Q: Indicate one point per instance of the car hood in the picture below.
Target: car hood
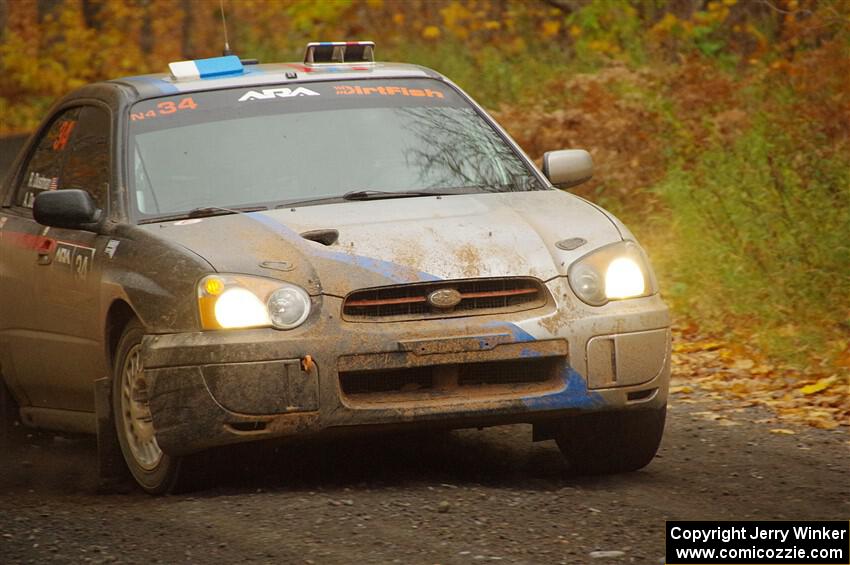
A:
(402, 240)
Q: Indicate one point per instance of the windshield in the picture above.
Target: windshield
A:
(273, 145)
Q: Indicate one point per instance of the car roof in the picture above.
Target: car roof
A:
(163, 84)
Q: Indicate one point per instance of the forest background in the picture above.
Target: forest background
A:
(720, 129)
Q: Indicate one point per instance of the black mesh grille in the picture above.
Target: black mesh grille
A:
(422, 379)
(390, 380)
(505, 372)
(479, 296)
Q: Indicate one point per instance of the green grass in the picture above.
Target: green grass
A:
(761, 241)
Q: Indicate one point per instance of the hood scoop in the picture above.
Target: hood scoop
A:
(326, 237)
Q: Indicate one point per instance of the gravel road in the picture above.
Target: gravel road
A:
(461, 497)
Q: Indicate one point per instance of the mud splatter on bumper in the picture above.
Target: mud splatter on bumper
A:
(216, 388)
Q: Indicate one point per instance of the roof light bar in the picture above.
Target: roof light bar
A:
(336, 52)
(206, 68)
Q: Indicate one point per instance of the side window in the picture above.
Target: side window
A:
(44, 169)
(87, 165)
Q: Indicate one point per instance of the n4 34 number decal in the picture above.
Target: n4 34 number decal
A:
(165, 108)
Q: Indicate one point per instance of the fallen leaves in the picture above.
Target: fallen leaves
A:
(689, 347)
(819, 386)
(709, 369)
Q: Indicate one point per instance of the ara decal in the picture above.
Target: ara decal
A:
(270, 93)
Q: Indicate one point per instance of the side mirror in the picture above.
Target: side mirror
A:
(568, 167)
(71, 208)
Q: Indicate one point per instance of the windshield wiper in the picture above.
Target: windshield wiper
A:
(204, 212)
(379, 194)
(362, 195)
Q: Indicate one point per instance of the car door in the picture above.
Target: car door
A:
(22, 240)
(67, 277)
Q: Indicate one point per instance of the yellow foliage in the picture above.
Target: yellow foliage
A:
(666, 24)
(456, 18)
(604, 46)
(518, 45)
(431, 32)
(550, 28)
(49, 47)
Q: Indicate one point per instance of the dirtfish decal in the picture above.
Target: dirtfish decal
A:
(269, 93)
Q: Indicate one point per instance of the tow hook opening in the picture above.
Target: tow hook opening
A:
(254, 427)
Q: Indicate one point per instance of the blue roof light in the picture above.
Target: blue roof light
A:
(206, 68)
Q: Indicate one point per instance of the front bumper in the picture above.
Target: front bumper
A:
(215, 388)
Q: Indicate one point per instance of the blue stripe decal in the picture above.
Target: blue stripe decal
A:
(219, 66)
(575, 394)
(392, 271)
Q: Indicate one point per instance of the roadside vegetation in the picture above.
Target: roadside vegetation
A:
(720, 128)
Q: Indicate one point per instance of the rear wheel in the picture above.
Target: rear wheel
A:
(155, 471)
(611, 442)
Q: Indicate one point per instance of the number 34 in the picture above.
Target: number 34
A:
(170, 107)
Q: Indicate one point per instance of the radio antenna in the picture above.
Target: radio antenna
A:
(227, 50)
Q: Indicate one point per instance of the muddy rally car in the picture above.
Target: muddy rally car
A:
(232, 252)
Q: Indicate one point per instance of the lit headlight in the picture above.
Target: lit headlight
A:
(624, 279)
(240, 308)
(613, 272)
(239, 301)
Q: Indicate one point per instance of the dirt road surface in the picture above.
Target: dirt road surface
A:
(460, 497)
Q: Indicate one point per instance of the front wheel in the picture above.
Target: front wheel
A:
(611, 442)
(153, 470)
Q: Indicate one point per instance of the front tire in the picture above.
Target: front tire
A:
(154, 471)
(611, 442)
